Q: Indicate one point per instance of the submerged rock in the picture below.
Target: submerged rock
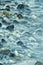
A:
(5, 20)
(8, 13)
(7, 8)
(1, 64)
(3, 40)
(1, 14)
(4, 51)
(20, 43)
(12, 55)
(10, 27)
(0, 24)
(20, 6)
(20, 16)
(38, 63)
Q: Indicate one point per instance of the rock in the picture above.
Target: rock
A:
(20, 6)
(20, 43)
(7, 8)
(1, 14)
(5, 20)
(8, 13)
(20, 16)
(0, 24)
(1, 64)
(13, 5)
(3, 40)
(12, 55)
(38, 63)
(4, 51)
(10, 27)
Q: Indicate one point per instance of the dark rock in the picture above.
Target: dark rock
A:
(3, 40)
(5, 20)
(20, 16)
(20, 6)
(38, 63)
(0, 24)
(1, 64)
(12, 55)
(20, 43)
(10, 27)
(7, 8)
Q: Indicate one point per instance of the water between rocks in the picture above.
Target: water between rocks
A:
(21, 32)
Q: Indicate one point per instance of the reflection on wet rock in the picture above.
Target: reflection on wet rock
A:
(7, 13)
(1, 63)
(1, 14)
(5, 20)
(3, 40)
(12, 54)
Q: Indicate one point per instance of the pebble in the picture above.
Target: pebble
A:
(10, 27)
(12, 55)
(38, 63)
(7, 8)
(1, 14)
(20, 16)
(4, 51)
(20, 6)
(8, 13)
(20, 43)
(5, 20)
(1, 64)
(16, 34)
(3, 40)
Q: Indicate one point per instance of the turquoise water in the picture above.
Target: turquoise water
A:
(28, 29)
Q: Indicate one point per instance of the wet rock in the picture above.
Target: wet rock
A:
(20, 6)
(3, 40)
(20, 43)
(8, 13)
(12, 55)
(10, 27)
(7, 8)
(5, 20)
(0, 24)
(16, 34)
(1, 64)
(4, 51)
(20, 16)
(38, 63)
